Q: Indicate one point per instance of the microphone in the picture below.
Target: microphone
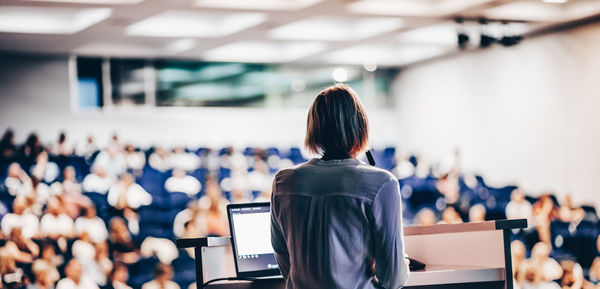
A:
(370, 157)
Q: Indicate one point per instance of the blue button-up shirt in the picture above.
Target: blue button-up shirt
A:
(331, 220)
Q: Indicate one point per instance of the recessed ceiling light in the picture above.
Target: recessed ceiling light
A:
(194, 24)
(335, 28)
(181, 45)
(540, 11)
(49, 20)
(412, 7)
(263, 51)
(257, 4)
(385, 54)
(116, 50)
(442, 34)
(105, 2)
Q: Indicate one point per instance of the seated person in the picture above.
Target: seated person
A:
(450, 216)
(45, 170)
(11, 275)
(70, 184)
(45, 275)
(448, 186)
(122, 247)
(239, 196)
(542, 215)
(62, 147)
(25, 245)
(594, 274)
(518, 207)
(540, 258)
(160, 159)
(74, 278)
(569, 213)
(477, 213)
(92, 224)
(260, 179)
(98, 181)
(112, 160)
(93, 258)
(212, 218)
(180, 182)
(20, 218)
(425, 217)
(134, 159)
(531, 277)
(56, 224)
(182, 160)
(517, 250)
(118, 277)
(572, 277)
(162, 280)
(17, 182)
(126, 194)
(404, 168)
(8, 149)
(49, 255)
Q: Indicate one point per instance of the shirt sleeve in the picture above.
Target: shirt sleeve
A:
(391, 269)
(278, 241)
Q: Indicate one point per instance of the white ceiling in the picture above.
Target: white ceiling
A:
(385, 32)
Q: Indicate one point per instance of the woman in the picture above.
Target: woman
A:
(337, 222)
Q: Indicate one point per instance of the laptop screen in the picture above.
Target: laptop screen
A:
(250, 226)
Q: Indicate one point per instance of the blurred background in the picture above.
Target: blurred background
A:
(129, 123)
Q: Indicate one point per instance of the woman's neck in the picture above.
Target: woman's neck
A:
(335, 156)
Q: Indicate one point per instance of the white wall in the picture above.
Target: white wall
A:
(35, 97)
(529, 114)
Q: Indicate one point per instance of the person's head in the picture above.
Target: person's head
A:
(118, 230)
(477, 213)
(73, 270)
(127, 179)
(42, 157)
(69, 173)
(48, 252)
(119, 273)
(99, 170)
(450, 216)
(42, 271)
(19, 205)
(89, 211)
(14, 170)
(54, 206)
(540, 251)
(163, 273)
(425, 217)
(62, 137)
(337, 123)
(178, 173)
(517, 249)
(8, 137)
(517, 195)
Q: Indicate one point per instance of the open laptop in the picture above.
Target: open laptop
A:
(250, 227)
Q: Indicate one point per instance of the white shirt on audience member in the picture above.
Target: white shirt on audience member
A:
(136, 196)
(518, 210)
(95, 227)
(84, 283)
(56, 225)
(184, 161)
(155, 285)
(29, 224)
(187, 184)
(97, 184)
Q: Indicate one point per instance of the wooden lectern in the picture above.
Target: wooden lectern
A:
(469, 255)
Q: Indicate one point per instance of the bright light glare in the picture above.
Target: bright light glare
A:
(555, 1)
(385, 54)
(49, 20)
(257, 4)
(194, 24)
(181, 45)
(340, 75)
(335, 28)
(370, 65)
(247, 51)
(109, 2)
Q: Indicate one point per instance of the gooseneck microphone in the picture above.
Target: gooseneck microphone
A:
(370, 157)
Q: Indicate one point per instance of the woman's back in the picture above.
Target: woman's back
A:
(332, 220)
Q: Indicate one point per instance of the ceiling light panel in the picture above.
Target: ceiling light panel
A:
(104, 2)
(257, 4)
(49, 20)
(194, 24)
(544, 12)
(426, 8)
(247, 51)
(335, 28)
(385, 55)
(113, 49)
(440, 34)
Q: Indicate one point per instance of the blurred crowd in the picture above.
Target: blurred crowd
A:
(107, 217)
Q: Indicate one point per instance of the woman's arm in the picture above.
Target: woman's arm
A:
(390, 268)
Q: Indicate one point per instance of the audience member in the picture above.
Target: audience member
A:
(182, 160)
(425, 217)
(62, 147)
(45, 275)
(135, 160)
(118, 277)
(572, 277)
(180, 182)
(89, 148)
(12, 276)
(517, 253)
(56, 224)
(90, 223)
(24, 245)
(164, 274)
(8, 149)
(98, 181)
(160, 159)
(477, 213)
(540, 258)
(450, 216)
(74, 278)
(20, 218)
(122, 247)
(518, 207)
(18, 183)
(70, 184)
(112, 161)
(569, 213)
(31, 148)
(543, 214)
(44, 169)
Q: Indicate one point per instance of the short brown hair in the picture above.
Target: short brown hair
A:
(337, 124)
